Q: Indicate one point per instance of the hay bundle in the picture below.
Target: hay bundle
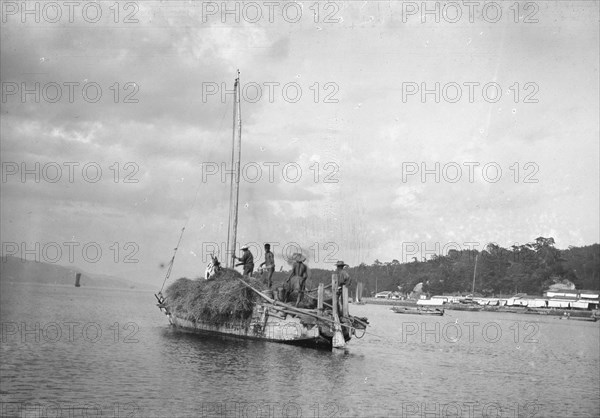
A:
(220, 300)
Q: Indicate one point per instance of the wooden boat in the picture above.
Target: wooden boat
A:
(536, 311)
(463, 307)
(506, 309)
(328, 326)
(276, 321)
(417, 311)
(580, 318)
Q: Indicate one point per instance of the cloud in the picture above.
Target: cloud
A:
(352, 132)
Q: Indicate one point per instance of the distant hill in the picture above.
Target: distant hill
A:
(14, 269)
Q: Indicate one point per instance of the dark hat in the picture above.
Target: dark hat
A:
(341, 263)
(245, 247)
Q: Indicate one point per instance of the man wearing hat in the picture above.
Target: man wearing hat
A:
(247, 260)
(343, 279)
(343, 276)
(298, 269)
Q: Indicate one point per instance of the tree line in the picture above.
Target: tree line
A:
(529, 268)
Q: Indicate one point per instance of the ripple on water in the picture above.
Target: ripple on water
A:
(162, 372)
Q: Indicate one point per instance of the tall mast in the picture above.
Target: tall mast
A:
(236, 155)
(474, 275)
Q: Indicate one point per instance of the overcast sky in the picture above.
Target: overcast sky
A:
(336, 131)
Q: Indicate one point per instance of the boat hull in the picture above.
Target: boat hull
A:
(409, 311)
(266, 324)
(461, 307)
(578, 318)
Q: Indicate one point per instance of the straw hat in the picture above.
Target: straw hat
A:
(298, 257)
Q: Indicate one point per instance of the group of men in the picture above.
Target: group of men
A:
(247, 261)
(298, 269)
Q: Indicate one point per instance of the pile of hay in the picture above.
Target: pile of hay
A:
(219, 300)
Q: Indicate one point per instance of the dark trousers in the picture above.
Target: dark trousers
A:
(248, 269)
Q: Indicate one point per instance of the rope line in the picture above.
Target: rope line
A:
(172, 259)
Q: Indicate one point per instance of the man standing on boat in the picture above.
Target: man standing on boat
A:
(343, 276)
(299, 268)
(300, 274)
(343, 280)
(247, 260)
(269, 264)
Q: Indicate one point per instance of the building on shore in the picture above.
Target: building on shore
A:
(563, 299)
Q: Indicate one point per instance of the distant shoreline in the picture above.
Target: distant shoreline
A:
(19, 282)
(580, 313)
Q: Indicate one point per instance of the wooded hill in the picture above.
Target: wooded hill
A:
(528, 268)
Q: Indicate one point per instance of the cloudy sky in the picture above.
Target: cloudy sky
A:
(370, 130)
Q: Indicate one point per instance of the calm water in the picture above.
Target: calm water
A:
(70, 351)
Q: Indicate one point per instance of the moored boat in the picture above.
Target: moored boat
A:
(580, 318)
(567, 315)
(463, 307)
(417, 311)
(536, 311)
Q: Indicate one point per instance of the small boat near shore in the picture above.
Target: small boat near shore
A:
(535, 311)
(462, 307)
(592, 318)
(577, 318)
(417, 311)
(559, 313)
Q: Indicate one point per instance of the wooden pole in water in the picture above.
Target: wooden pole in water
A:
(345, 310)
(338, 338)
(320, 293)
